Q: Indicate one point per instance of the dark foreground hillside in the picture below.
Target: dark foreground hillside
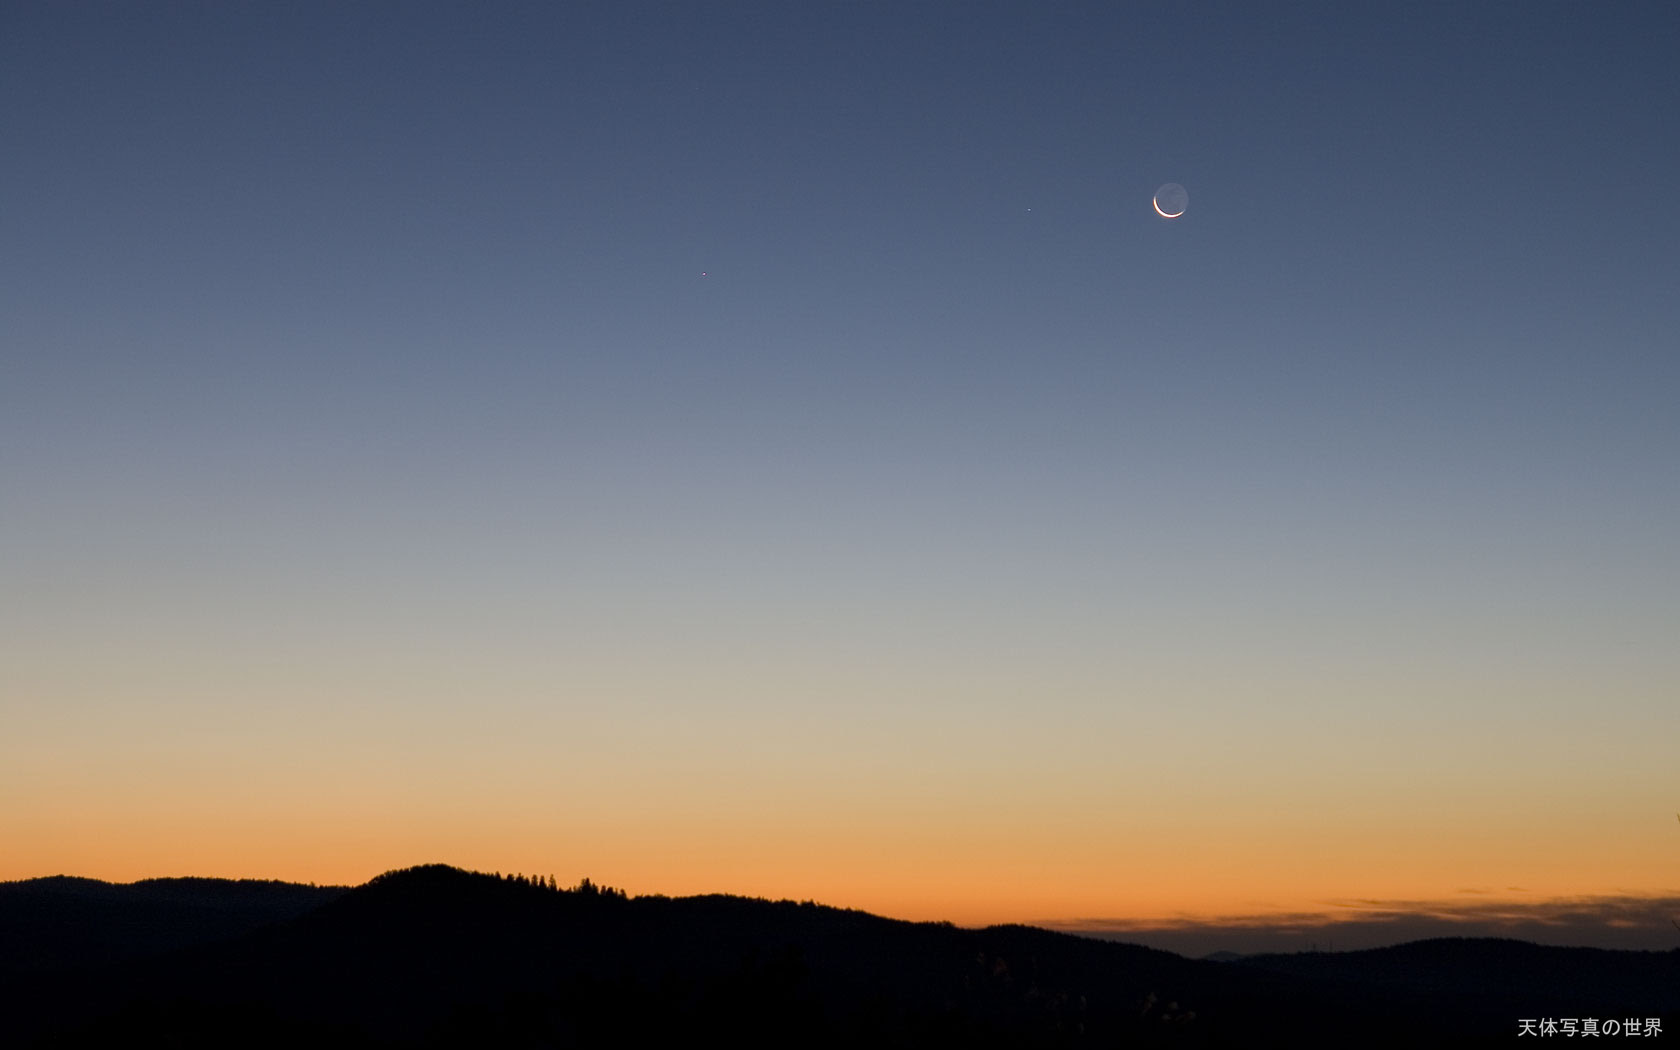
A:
(437, 957)
(60, 923)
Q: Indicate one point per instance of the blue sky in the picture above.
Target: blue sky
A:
(787, 379)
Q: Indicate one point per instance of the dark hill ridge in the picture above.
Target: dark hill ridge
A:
(62, 922)
(436, 956)
(1548, 977)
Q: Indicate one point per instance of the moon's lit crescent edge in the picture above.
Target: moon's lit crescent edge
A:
(1153, 203)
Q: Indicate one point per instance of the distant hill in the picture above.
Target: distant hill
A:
(58, 922)
(439, 957)
(1523, 979)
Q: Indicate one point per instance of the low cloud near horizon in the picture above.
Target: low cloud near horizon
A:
(1634, 923)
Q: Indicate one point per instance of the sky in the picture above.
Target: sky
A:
(779, 449)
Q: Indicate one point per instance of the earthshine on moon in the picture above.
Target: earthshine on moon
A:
(1171, 201)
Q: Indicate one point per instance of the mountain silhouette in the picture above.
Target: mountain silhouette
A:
(439, 957)
(59, 922)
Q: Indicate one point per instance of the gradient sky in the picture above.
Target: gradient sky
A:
(777, 449)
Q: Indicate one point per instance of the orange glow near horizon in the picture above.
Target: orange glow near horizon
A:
(1081, 787)
(971, 875)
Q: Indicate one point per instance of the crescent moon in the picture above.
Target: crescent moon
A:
(1163, 214)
